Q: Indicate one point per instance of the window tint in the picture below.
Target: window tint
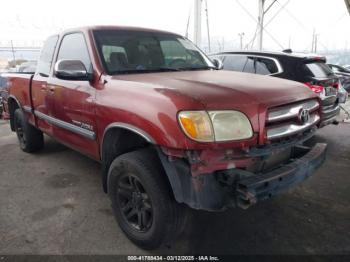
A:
(178, 49)
(108, 50)
(235, 62)
(133, 51)
(73, 47)
(265, 66)
(173, 48)
(319, 70)
(249, 65)
(46, 56)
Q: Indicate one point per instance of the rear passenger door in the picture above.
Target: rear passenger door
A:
(42, 102)
(74, 111)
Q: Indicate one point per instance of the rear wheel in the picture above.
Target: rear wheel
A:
(142, 201)
(30, 138)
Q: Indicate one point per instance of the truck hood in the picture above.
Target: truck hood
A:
(224, 89)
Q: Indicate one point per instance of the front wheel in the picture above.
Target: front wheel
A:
(30, 138)
(142, 201)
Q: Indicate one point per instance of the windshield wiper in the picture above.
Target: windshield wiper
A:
(185, 68)
(128, 71)
(196, 68)
(149, 70)
(165, 69)
(161, 69)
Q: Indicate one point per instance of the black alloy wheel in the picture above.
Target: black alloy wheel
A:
(135, 203)
(142, 199)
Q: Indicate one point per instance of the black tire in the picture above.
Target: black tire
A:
(163, 217)
(30, 138)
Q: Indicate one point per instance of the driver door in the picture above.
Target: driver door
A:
(74, 108)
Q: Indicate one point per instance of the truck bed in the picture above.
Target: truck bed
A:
(18, 85)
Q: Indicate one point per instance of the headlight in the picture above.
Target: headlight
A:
(225, 125)
(197, 125)
(230, 125)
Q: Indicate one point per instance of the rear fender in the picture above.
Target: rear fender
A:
(13, 104)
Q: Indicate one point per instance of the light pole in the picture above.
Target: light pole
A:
(314, 42)
(347, 3)
(261, 23)
(207, 15)
(241, 35)
(13, 53)
(197, 22)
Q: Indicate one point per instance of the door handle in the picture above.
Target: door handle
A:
(52, 89)
(43, 87)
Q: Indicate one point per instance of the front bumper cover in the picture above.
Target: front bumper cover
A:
(237, 187)
(256, 188)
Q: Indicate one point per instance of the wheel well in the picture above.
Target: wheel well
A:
(12, 106)
(118, 141)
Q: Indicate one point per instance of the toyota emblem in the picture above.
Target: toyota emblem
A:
(303, 116)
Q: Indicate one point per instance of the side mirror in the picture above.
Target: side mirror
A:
(218, 63)
(71, 70)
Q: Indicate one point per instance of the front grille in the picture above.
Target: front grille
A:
(289, 120)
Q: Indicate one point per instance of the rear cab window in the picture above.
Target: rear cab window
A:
(46, 56)
(73, 47)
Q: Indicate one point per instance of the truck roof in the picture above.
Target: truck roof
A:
(115, 27)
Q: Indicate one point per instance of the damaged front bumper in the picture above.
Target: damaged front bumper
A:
(239, 187)
(260, 187)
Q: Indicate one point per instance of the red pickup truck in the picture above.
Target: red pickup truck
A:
(169, 129)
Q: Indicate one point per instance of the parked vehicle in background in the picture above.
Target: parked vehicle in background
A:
(1, 107)
(27, 67)
(308, 69)
(343, 74)
(3, 85)
(346, 67)
(168, 128)
(3, 81)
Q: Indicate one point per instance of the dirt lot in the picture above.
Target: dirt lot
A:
(52, 203)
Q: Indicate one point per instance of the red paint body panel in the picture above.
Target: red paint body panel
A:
(158, 97)
(151, 101)
(18, 86)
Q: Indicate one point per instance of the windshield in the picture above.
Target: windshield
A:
(138, 52)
